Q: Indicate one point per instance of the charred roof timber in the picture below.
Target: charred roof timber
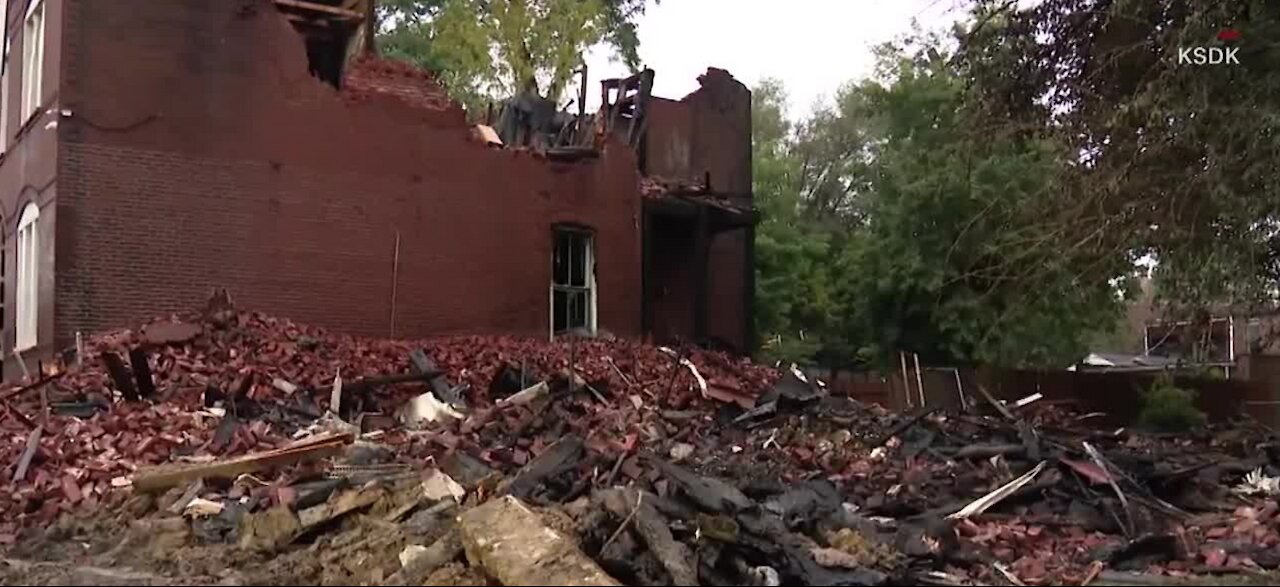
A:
(332, 30)
(626, 104)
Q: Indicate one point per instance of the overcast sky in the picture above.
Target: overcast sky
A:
(811, 45)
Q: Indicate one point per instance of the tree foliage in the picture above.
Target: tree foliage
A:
(1180, 162)
(942, 230)
(988, 197)
(794, 302)
(488, 48)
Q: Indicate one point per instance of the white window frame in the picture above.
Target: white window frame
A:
(4, 76)
(27, 307)
(33, 29)
(589, 279)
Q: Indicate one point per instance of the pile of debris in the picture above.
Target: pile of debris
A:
(225, 383)
(246, 448)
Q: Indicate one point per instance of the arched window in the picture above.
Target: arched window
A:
(28, 285)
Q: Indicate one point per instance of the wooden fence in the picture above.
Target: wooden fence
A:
(1116, 394)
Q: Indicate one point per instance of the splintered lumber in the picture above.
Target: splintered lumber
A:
(142, 372)
(343, 504)
(423, 364)
(995, 403)
(558, 458)
(512, 544)
(985, 502)
(30, 386)
(318, 7)
(120, 376)
(24, 463)
(163, 477)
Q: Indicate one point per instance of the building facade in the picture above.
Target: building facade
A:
(154, 151)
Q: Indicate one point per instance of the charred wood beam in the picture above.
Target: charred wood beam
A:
(120, 376)
(142, 372)
(702, 254)
(317, 7)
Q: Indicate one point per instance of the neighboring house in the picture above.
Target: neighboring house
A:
(155, 150)
(1221, 339)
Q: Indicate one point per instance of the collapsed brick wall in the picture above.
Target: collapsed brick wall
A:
(705, 136)
(371, 76)
(214, 159)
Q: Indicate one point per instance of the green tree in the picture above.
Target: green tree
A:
(490, 48)
(794, 300)
(1180, 162)
(964, 248)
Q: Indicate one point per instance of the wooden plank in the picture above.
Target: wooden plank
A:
(156, 479)
(996, 404)
(19, 416)
(25, 388)
(24, 463)
(120, 376)
(320, 8)
(142, 372)
(558, 458)
(421, 363)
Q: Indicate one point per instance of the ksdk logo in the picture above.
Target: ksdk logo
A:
(1212, 55)
(1209, 56)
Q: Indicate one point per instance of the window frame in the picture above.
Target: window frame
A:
(27, 280)
(587, 267)
(5, 101)
(33, 46)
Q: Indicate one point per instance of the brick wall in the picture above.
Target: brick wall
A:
(726, 310)
(28, 174)
(214, 159)
(707, 135)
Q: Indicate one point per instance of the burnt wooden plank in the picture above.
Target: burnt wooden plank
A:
(440, 386)
(120, 376)
(24, 463)
(558, 458)
(142, 372)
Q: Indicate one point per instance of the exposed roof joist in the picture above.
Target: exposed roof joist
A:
(347, 11)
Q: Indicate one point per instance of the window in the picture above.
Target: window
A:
(1253, 337)
(573, 281)
(32, 58)
(4, 76)
(28, 285)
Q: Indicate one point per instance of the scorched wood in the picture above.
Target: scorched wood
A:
(120, 376)
(142, 372)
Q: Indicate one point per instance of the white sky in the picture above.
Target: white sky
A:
(813, 46)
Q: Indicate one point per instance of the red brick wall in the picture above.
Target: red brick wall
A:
(28, 174)
(369, 76)
(705, 135)
(668, 139)
(202, 154)
(726, 309)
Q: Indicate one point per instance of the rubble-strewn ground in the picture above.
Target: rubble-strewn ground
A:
(758, 478)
